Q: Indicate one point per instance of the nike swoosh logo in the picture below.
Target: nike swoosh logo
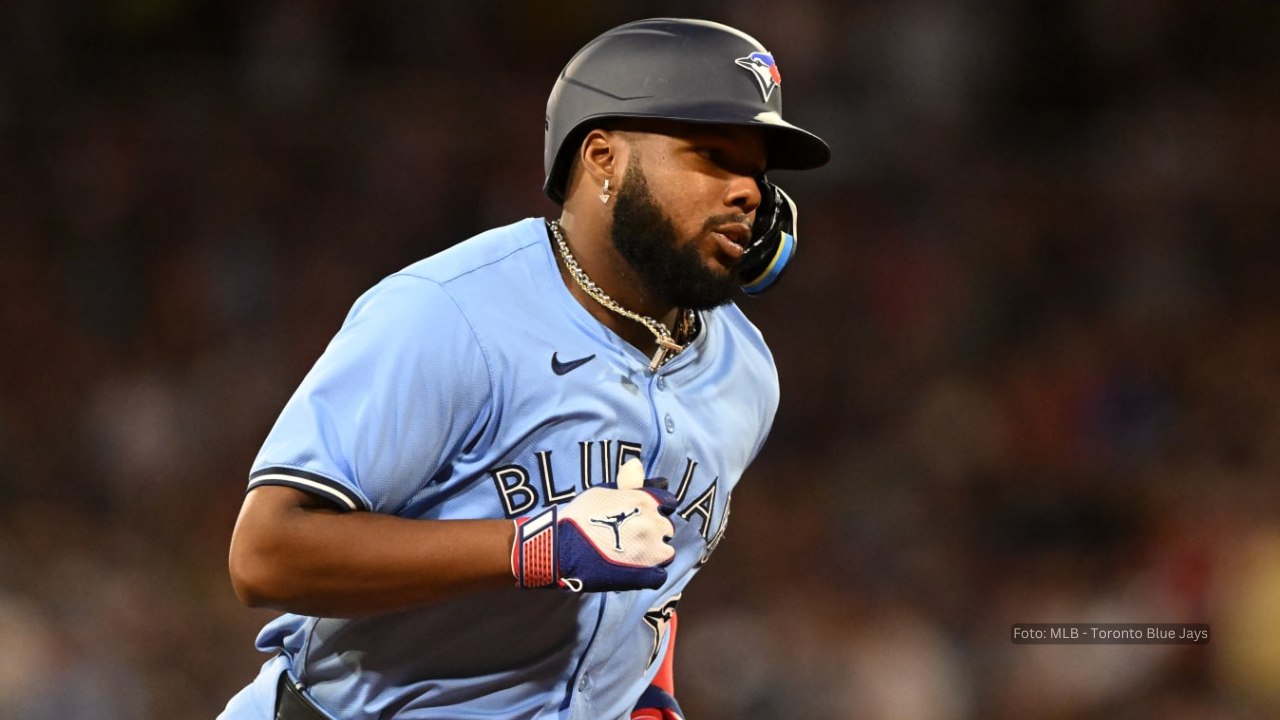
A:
(560, 368)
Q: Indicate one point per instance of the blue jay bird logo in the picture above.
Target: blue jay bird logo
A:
(764, 70)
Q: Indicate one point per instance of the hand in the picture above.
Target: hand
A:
(657, 704)
(614, 536)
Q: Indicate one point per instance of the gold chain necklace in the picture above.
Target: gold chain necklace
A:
(667, 345)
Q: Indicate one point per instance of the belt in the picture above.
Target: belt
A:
(291, 704)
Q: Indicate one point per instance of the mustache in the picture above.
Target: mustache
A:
(716, 221)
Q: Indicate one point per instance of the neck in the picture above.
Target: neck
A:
(610, 291)
(592, 247)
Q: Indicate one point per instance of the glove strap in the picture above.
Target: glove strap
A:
(533, 555)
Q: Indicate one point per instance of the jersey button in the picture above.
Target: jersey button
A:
(662, 383)
(671, 424)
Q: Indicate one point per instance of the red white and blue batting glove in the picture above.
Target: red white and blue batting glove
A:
(614, 536)
(657, 704)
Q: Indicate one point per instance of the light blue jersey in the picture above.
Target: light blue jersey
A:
(473, 385)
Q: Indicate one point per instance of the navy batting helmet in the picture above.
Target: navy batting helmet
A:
(687, 70)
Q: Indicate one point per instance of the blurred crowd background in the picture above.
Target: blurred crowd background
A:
(1030, 350)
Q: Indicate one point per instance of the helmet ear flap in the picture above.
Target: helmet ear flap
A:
(773, 240)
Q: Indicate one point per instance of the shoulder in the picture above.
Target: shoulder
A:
(755, 358)
(478, 270)
(503, 250)
(737, 331)
(732, 355)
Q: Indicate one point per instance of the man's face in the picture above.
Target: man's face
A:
(684, 210)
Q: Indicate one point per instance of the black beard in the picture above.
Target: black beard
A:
(647, 240)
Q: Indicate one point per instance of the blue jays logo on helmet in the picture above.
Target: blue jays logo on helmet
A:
(765, 71)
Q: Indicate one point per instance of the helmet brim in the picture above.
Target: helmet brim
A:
(793, 148)
(789, 147)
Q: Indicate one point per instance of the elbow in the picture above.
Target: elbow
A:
(252, 575)
(245, 580)
(259, 561)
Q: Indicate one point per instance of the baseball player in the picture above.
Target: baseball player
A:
(487, 496)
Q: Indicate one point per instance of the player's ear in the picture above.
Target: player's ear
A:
(599, 155)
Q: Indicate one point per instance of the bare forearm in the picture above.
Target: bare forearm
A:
(316, 562)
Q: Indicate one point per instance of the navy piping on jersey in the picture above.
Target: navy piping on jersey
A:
(318, 485)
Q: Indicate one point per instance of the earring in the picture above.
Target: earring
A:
(604, 193)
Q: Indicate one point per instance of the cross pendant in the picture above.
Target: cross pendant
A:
(659, 357)
(665, 348)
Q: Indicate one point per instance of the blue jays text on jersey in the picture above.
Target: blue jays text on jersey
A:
(474, 385)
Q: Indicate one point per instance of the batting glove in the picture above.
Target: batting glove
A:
(657, 704)
(614, 536)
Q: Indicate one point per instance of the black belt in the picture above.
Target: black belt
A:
(291, 704)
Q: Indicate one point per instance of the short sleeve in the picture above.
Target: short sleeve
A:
(390, 403)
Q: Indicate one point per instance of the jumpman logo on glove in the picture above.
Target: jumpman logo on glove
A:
(567, 546)
(615, 522)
